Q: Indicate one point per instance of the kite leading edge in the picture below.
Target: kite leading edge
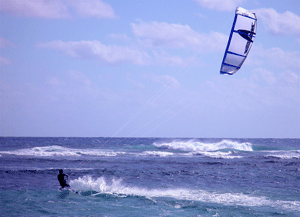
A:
(240, 40)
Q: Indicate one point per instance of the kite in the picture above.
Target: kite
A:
(240, 40)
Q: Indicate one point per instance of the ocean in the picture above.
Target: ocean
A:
(150, 177)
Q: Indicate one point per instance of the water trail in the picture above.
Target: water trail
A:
(116, 187)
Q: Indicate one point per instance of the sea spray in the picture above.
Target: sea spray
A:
(100, 185)
(116, 187)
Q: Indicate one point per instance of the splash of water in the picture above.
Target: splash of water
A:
(116, 187)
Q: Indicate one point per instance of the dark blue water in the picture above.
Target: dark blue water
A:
(150, 177)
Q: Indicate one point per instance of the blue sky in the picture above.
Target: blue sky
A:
(146, 68)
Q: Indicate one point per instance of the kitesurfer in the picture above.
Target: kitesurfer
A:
(62, 178)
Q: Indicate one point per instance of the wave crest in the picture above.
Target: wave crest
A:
(196, 146)
(284, 154)
(55, 150)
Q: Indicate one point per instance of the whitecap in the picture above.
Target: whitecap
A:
(221, 155)
(196, 146)
(156, 153)
(55, 150)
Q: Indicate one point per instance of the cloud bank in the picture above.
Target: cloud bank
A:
(286, 23)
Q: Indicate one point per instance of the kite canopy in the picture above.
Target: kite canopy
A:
(240, 40)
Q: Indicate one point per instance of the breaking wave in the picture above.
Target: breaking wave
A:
(55, 150)
(225, 149)
(196, 146)
(117, 188)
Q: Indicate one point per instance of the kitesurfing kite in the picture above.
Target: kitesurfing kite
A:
(240, 40)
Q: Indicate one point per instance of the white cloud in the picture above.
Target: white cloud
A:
(276, 56)
(166, 35)
(92, 8)
(95, 50)
(57, 9)
(289, 77)
(36, 8)
(266, 75)
(286, 23)
(219, 5)
(148, 47)
(163, 58)
(112, 54)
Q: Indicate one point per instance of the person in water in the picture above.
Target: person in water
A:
(62, 178)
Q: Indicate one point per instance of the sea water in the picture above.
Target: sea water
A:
(150, 177)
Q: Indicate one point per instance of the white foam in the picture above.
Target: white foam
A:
(55, 150)
(284, 154)
(196, 146)
(221, 155)
(115, 186)
(156, 153)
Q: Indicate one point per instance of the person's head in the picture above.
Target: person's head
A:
(60, 171)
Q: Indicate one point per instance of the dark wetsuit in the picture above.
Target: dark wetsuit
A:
(62, 180)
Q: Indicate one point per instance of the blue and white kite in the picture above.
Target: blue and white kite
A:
(241, 37)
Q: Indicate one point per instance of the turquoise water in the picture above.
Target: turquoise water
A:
(150, 177)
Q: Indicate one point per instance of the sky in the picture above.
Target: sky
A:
(146, 68)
